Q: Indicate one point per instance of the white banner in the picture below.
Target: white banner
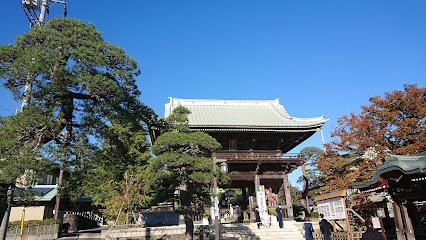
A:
(332, 208)
(216, 207)
(261, 200)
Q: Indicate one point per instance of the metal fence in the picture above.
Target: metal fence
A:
(91, 215)
(36, 232)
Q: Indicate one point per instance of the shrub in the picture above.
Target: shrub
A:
(314, 215)
(272, 211)
(46, 221)
(206, 213)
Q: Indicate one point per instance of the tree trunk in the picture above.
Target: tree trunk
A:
(305, 197)
(58, 195)
(61, 173)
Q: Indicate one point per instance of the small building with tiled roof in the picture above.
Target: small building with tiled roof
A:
(404, 179)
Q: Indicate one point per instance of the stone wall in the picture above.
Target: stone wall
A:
(167, 232)
(153, 219)
(73, 223)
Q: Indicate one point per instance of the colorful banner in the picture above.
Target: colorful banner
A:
(261, 200)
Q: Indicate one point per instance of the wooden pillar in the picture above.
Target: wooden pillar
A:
(251, 200)
(348, 226)
(256, 181)
(334, 225)
(252, 205)
(407, 223)
(288, 202)
(244, 202)
(399, 227)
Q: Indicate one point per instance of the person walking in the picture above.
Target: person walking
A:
(279, 210)
(371, 233)
(239, 214)
(256, 212)
(325, 227)
(309, 229)
(267, 219)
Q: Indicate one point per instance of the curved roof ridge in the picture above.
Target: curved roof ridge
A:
(279, 108)
(214, 100)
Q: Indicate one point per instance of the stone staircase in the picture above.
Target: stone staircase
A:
(234, 231)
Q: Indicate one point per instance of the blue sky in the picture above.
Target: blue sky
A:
(318, 57)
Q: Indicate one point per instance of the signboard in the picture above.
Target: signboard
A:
(376, 222)
(332, 208)
(261, 200)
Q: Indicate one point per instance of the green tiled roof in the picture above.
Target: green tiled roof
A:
(406, 164)
(49, 196)
(42, 193)
(241, 114)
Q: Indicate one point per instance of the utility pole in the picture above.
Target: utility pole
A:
(36, 19)
(30, 8)
(3, 227)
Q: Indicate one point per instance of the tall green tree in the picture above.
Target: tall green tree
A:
(393, 123)
(83, 89)
(183, 162)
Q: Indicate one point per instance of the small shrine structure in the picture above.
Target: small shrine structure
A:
(404, 179)
(256, 136)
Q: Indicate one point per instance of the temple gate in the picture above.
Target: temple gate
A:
(256, 137)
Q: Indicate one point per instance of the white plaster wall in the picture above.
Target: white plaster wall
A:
(31, 213)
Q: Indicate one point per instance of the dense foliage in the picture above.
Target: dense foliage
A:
(16, 154)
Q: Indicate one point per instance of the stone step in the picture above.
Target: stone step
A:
(250, 231)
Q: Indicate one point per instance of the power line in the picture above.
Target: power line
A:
(6, 109)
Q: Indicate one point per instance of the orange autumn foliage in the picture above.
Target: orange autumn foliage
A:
(394, 123)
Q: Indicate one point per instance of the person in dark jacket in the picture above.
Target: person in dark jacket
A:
(256, 212)
(239, 214)
(325, 227)
(280, 215)
(371, 234)
(307, 226)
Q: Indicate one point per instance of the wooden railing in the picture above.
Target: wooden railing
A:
(255, 155)
(339, 236)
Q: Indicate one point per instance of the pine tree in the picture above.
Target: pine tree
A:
(84, 94)
(183, 162)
